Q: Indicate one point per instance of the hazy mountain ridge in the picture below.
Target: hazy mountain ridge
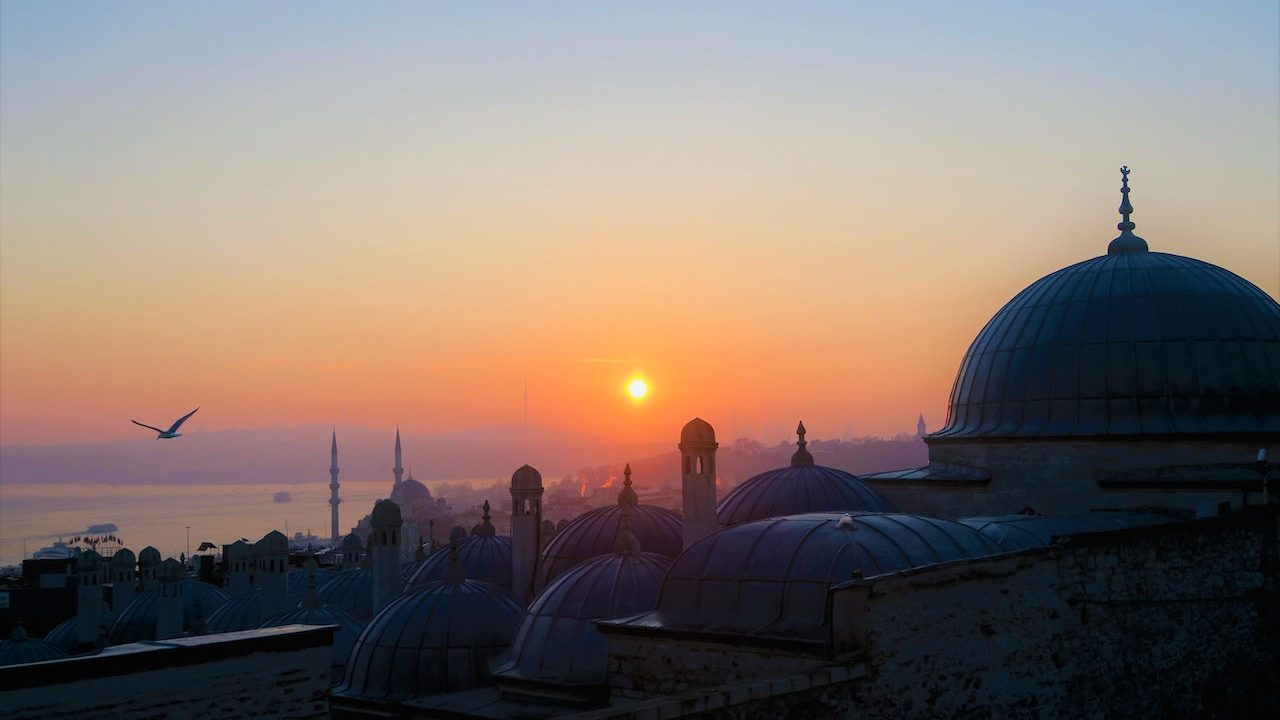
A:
(275, 455)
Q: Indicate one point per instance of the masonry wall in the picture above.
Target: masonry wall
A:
(1058, 476)
(1174, 621)
(256, 674)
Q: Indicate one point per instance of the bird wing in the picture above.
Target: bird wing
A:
(135, 422)
(178, 423)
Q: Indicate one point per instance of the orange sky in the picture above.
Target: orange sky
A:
(366, 220)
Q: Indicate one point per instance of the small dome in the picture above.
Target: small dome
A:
(170, 571)
(241, 612)
(352, 544)
(297, 582)
(66, 634)
(273, 543)
(772, 577)
(415, 493)
(149, 556)
(801, 487)
(592, 533)
(350, 590)
(124, 559)
(137, 621)
(386, 514)
(698, 432)
(526, 478)
(344, 639)
(486, 558)
(88, 561)
(558, 641)
(435, 639)
(20, 649)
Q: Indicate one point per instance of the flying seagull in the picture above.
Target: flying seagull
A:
(172, 432)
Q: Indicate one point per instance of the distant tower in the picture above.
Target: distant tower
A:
(385, 539)
(920, 426)
(333, 490)
(88, 598)
(698, 479)
(123, 583)
(169, 605)
(399, 468)
(272, 556)
(526, 530)
(148, 566)
(235, 561)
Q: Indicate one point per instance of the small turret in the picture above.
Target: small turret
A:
(526, 530)
(124, 583)
(148, 566)
(271, 575)
(385, 538)
(169, 578)
(88, 598)
(698, 479)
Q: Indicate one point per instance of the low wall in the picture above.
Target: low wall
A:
(278, 673)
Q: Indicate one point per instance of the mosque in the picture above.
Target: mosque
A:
(1094, 535)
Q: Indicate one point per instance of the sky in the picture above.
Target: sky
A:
(291, 213)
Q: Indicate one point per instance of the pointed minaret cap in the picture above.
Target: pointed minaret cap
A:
(627, 496)
(801, 458)
(625, 542)
(486, 525)
(454, 574)
(1126, 242)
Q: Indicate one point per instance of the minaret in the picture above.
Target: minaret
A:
(88, 598)
(526, 530)
(333, 490)
(399, 468)
(169, 605)
(385, 539)
(920, 426)
(123, 583)
(698, 479)
(1126, 241)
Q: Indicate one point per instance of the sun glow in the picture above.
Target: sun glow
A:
(638, 388)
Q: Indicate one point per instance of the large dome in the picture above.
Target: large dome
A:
(592, 534)
(351, 590)
(439, 638)
(558, 641)
(484, 557)
(1130, 343)
(137, 621)
(771, 577)
(801, 487)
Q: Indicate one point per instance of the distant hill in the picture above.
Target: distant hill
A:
(301, 454)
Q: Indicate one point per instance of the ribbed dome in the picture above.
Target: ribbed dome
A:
(558, 641)
(351, 590)
(137, 622)
(20, 649)
(435, 639)
(801, 487)
(697, 432)
(1130, 343)
(241, 612)
(771, 577)
(66, 633)
(297, 583)
(486, 558)
(591, 534)
(349, 628)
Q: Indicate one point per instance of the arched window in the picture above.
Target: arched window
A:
(697, 465)
(687, 469)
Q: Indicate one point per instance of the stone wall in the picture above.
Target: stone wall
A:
(1061, 476)
(1173, 621)
(278, 673)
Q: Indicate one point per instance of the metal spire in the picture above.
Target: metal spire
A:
(801, 458)
(627, 496)
(1126, 242)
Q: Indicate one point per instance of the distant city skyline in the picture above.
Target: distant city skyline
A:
(369, 216)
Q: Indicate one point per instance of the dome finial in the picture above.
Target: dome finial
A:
(625, 542)
(1126, 241)
(627, 496)
(801, 458)
(454, 574)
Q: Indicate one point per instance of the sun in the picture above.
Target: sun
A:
(638, 388)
